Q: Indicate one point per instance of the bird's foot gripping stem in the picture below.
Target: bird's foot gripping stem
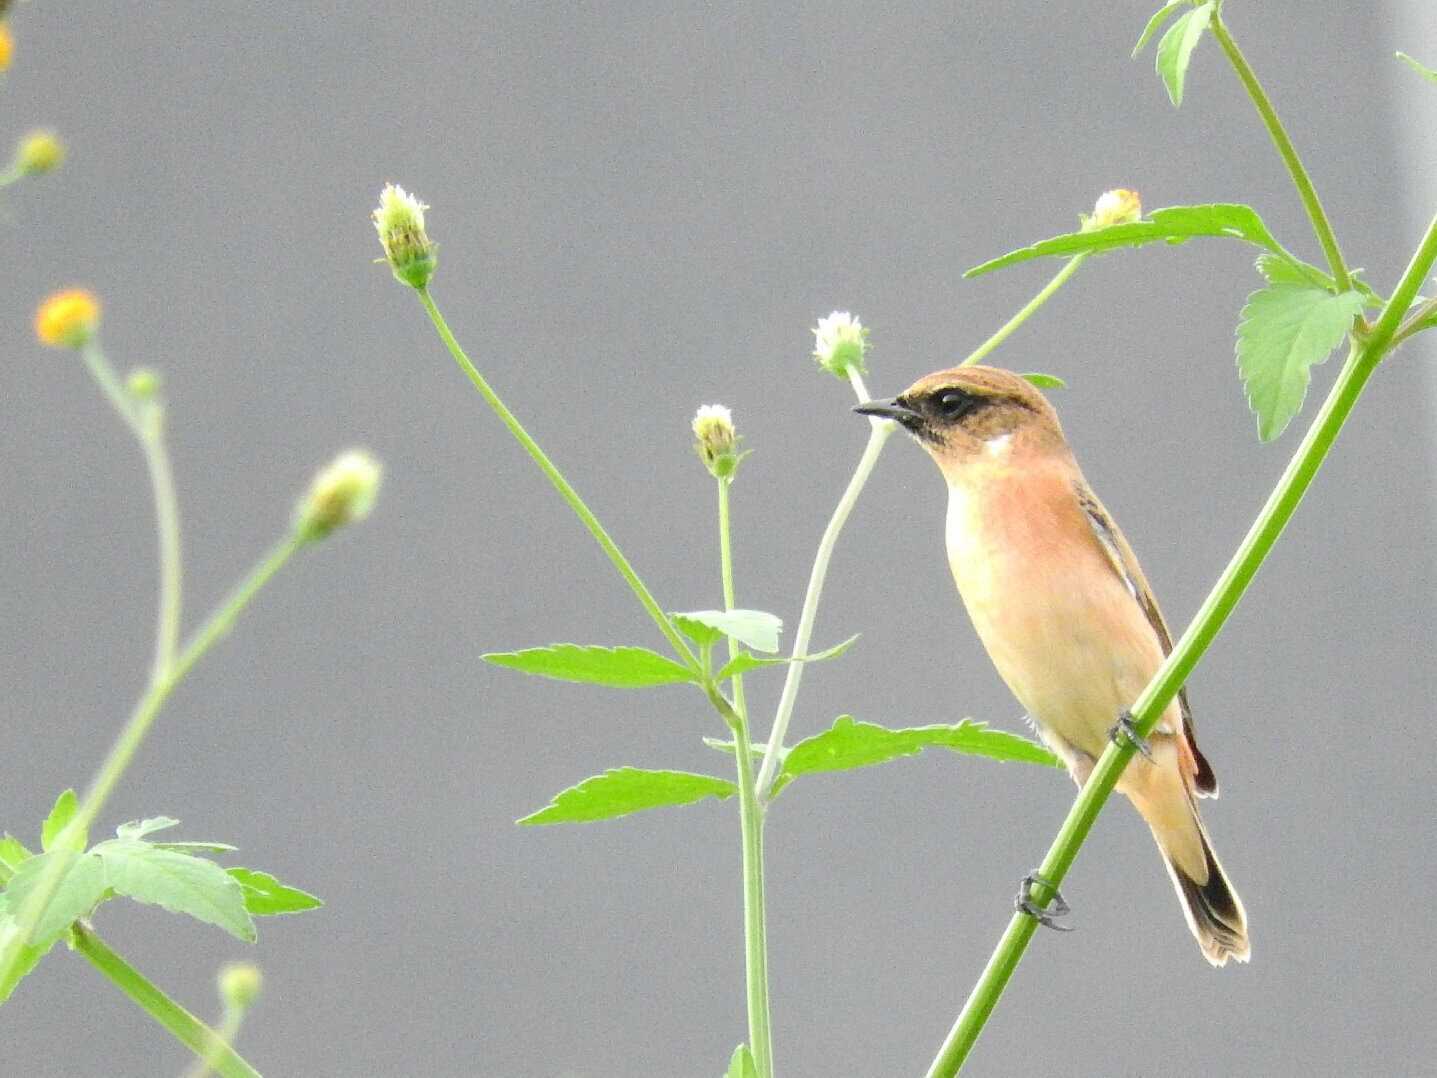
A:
(1024, 903)
(1124, 730)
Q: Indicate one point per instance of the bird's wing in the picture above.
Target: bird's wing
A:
(1125, 564)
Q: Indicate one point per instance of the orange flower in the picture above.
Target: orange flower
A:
(67, 319)
(7, 45)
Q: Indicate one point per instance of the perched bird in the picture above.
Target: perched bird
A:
(1067, 617)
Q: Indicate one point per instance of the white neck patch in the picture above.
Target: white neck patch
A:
(998, 447)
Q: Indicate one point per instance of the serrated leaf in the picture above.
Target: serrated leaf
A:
(176, 882)
(66, 805)
(81, 884)
(1175, 50)
(138, 829)
(1045, 381)
(12, 855)
(700, 633)
(755, 628)
(1156, 23)
(623, 790)
(849, 744)
(265, 896)
(1289, 270)
(1421, 69)
(1171, 224)
(619, 668)
(743, 662)
(27, 958)
(1285, 330)
(741, 1064)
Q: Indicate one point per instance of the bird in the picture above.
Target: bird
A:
(1063, 609)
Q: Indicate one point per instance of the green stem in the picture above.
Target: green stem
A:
(186, 1028)
(228, 1030)
(1320, 225)
(129, 741)
(676, 641)
(1178, 666)
(1006, 329)
(148, 428)
(755, 930)
(11, 174)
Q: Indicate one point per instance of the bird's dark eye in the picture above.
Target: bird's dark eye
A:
(954, 404)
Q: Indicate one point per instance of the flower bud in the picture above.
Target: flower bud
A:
(67, 319)
(39, 152)
(717, 444)
(1117, 207)
(342, 492)
(400, 223)
(239, 984)
(142, 384)
(7, 45)
(841, 343)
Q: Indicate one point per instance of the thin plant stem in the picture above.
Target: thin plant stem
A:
(1006, 329)
(228, 1030)
(186, 1028)
(147, 424)
(12, 173)
(1321, 227)
(130, 739)
(755, 930)
(1362, 360)
(567, 492)
(879, 431)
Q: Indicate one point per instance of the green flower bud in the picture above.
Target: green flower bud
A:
(399, 220)
(342, 492)
(841, 344)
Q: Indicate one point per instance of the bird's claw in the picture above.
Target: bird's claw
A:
(1124, 730)
(1024, 903)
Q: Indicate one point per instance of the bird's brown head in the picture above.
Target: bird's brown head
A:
(966, 413)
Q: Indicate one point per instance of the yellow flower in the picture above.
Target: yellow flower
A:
(7, 45)
(67, 319)
(39, 151)
(1117, 207)
(342, 492)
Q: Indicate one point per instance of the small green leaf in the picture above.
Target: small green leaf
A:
(741, 1065)
(757, 629)
(743, 662)
(727, 746)
(82, 884)
(138, 829)
(620, 668)
(701, 634)
(1045, 381)
(1156, 23)
(1421, 69)
(1285, 330)
(177, 882)
(1288, 270)
(1175, 50)
(28, 957)
(12, 855)
(66, 805)
(849, 744)
(620, 791)
(1172, 224)
(265, 896)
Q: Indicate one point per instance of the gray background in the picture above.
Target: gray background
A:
(642, 209)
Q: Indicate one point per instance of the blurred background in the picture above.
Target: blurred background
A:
(640, 209)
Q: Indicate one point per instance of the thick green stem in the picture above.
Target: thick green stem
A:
(1175, 670)
(187, 1029)
(1006, 329)
(567, 492)
(755, 929)
(130, 739)
(1320, 225)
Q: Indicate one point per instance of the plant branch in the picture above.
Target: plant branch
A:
(186, 1028)
(1320, 225)
(1006, 329)
(567, 492)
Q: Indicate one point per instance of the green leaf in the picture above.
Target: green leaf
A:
(1175, 50)
(138, 829)
(66, 805)
(1045, 381)
(195, 847)
(701, 634)
(849, 744)
(82, 884)
(757, 629)
(1285, 329)
(12, 855)
(743, 662)
(265, 896)
(620, 668)
(1421, 69)
(177, 882)
(29, 957)
(1288, 270)
(741, 1065)
(620, 791)
(1172, 224)
(1156, 23)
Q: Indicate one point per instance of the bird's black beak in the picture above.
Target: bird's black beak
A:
(892, 408)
